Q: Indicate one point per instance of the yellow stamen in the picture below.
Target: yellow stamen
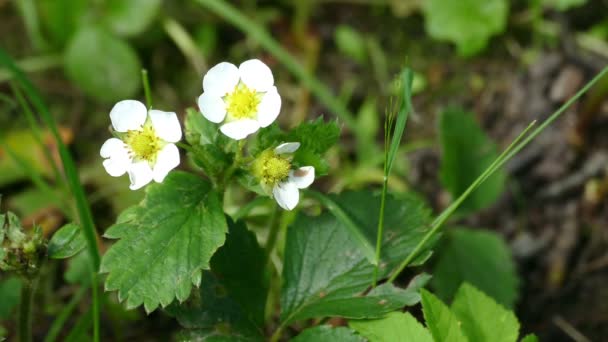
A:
(242, 103)
(144, 144)
(270, 168)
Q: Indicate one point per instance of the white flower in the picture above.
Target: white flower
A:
(145, 146)
(274, 171)
(243, 99)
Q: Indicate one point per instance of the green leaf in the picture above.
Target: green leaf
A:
(207, 143)
(79, 269)
(467, 23)
(129, 18)
(482, 319)
(103, 66)
(61, 18)
(10, 292)
(232, 299)
(317, 136)
(67, 242)
(467, 152)
(442, 323)
(530, 338)
(480, 258)
(563, 5)
(405, 106)
(350, 43)
(325, 268)
(165, 242)
(395, 327)
(326, 333)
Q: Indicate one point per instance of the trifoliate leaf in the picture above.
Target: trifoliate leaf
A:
(473, 308)
(128, 18)
(395, 327)
(467, 23)
(324, 265)
(103, 66)
(480, 258)
(326, 333)
(165, 242)
(466, 153)
(67, 242)
(442, 323)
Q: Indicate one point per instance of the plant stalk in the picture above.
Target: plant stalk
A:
(25, 309)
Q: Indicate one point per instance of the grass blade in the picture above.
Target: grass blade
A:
(390, 152)
(517, 145)
(84, 212)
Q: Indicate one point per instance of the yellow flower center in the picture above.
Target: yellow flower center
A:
(144, 144)
(242, 103)
(270, 168)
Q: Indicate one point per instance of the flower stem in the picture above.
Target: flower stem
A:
(146, 83)
(25, 310)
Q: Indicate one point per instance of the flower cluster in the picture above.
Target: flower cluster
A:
(242, 100)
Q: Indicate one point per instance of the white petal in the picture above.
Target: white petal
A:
(128, 115)
(167, 160)
(166, 125)
(286, 194)
(118, 157)
(270, 107)
(256, 75)
(212, 106)
(221, 79)
(288, 147)
(240, 129)
(140, 174)
(302, 177)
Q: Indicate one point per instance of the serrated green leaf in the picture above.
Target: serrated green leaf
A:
(10, 292)
(395, 327)
(103, 66)
(324, 264)
(165, 242)
(266, 138)
(67, 242)
(474, 308)
(326, 333)
(317, 136)
(232, 299)
(466, 153)
(467, 23)
(129, 18)
(480, 258)
(442, 323)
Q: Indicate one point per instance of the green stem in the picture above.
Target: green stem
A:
(25, 310)
(185, 146)
(380, 230)
(277, 333)
(260, 35)
(275, 225)
(146, 83)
